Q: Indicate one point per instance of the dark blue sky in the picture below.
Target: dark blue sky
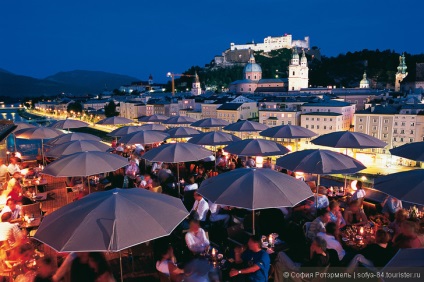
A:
(137, 37)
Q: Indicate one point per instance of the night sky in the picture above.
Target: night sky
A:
(139, 37)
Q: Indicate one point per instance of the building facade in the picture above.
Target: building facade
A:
(276, 117)
(271, 43)
(232, 112)
(346, 110)
(298, 72)
(323, 122)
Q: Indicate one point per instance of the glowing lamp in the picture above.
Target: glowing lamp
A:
(353, 185)
(259, 161)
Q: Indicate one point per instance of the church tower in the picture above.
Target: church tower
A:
(195, 87)
(364, 83)
(298, 73)
(252, 71)
(150, 79)
(401, 72)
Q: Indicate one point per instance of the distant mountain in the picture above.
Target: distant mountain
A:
(75, 82)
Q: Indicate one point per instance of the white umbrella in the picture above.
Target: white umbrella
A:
(73, 137)
(38, 133)
(119, 132)
(246, 125)
(73, 147)
(179, 120)
(153, 126)
(182, 132)
(153, 118)
(111, 221)
(144, 137)
(85, 164)
(210, 122)
(115, 121)
(255, 189)
(256, 147)
(68, 123)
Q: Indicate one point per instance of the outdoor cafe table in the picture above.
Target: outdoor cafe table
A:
(357, 237)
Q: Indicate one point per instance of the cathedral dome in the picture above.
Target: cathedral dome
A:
(252, 67)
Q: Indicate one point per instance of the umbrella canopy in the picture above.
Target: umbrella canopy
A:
(413, 151)
(153, 118)
(407, 186)
(256, 147)
(85, 164)
(405, 260)
(179, 120)
(119, 132)
(182, 132)
(320, 162)
(73, 147)
(347, 139)
(38, 133)
(23, 125)
(154, 126)
(114, 121)
(288, 132)
(68, 123)
(214, 138)
(246, 125)
(210, 122)
(144, 137)
(73, 137)
(112, 220)
(255, 189)
(177, 153)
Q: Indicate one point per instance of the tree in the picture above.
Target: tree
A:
(110, 110)
(75, 107)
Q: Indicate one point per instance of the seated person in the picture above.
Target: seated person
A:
(407, 238)
(132, 170)
(390, 206)
(16, 179)
(164, 173)
(217, 216)
(13, 208)
(381, 252)
(318, 225)
(10, 232)
(322, 203)
(166, 265)
(13, 166)
(354, 215)
(196, 238)
(335, 214)
(147, 182)
(16, 193)
(3, 170)
(400, 216)
(191, 185)
(330, 236)
(45, 270)
(256, 260)
(250, 162)
(318, 258)
(200, 207)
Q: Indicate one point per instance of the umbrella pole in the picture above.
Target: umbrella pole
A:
(42, 152)
(89, 188)
(345, 177)
(316, 193)
(253, 222)
(120, 266)
(178, 178)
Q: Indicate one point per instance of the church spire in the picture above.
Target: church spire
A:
(402, 65)
(196, 78)
(252, 58)
(295, 57)
(303, 60)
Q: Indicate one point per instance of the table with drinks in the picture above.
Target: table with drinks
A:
(358, 237)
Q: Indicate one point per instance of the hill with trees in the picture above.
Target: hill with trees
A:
(344, 70)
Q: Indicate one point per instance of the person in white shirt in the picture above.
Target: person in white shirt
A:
(10, 232)
(200, 207)
(216, 216)
(166, 264)
(330, 237)
(191, 185)
(3, 169)
(196, 238)
(13, 166)
(156, 166)
(13, 208)
(359, 194)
